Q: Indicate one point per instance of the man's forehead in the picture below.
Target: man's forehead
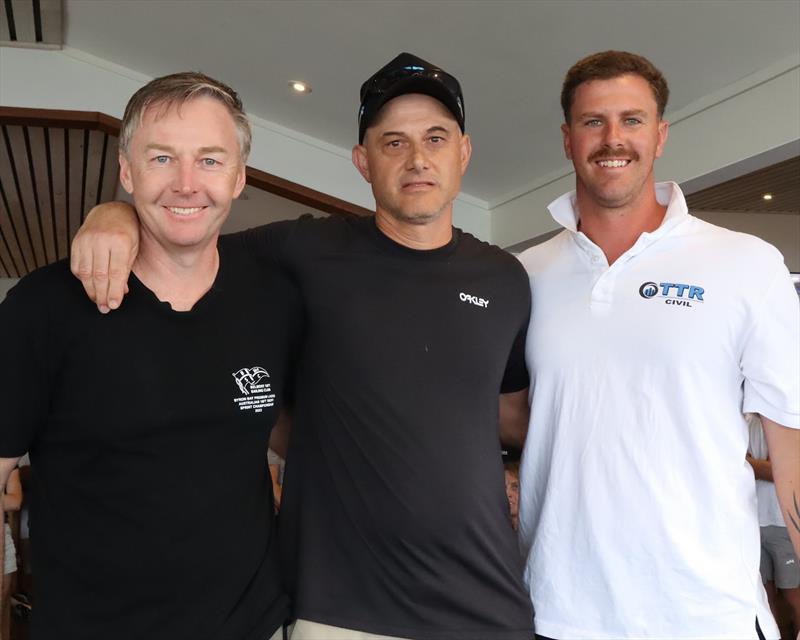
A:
(157, 122)
(628, 84)
(160, 109)
(413, 109)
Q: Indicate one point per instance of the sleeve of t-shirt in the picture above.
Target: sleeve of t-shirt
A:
(771, 356)
(516, 374)
(24, 395)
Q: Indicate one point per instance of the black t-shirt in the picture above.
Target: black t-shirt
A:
(394, 518)
(148, 431)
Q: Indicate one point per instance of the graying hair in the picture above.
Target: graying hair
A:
(177, 88)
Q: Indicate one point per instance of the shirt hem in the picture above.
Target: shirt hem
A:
(416, 633)
(561, 632)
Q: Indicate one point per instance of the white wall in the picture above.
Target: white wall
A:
(748, 118)
(71, 79)
(780, 230)
(5, 285)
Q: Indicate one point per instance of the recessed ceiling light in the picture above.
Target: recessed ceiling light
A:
(767, 196)
(299, 86)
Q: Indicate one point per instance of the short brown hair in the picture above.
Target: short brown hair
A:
(512, 466)
(177, 88)
(612, 64)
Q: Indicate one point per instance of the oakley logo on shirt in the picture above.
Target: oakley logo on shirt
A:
(478, 302)
(673, 293)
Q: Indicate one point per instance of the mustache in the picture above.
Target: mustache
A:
(613, 154)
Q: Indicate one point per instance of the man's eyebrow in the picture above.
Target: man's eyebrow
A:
(213, 149)
(603, 114)
(164, 147)
(159, 147)
(433, 129)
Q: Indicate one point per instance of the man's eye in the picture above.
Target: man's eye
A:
(594, 122)
(632, 121)
(209, 162)
(437, 139)
(393, 144)
(161, 159)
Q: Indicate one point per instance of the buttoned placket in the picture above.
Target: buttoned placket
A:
(604, 275)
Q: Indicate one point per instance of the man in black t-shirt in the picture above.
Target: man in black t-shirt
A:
(148, 429)
(394, 520)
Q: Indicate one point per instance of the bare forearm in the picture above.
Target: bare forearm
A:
(761, 468)
(784, 448)
(513, 418)
(12, 502)
(12, 496)
(279, 437)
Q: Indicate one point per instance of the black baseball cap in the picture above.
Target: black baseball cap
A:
(408, 74)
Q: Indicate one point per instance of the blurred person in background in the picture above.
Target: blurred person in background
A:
(12, 501)
(512, 491)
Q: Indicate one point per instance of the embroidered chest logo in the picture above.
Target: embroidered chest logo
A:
(254, 384)
(478, 302)
(672, 293)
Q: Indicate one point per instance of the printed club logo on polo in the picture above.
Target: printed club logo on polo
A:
(675, 294)
(256, 389)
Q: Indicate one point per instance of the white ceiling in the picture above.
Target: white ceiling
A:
(510, 57)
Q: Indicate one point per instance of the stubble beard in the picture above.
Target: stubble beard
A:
(415, 217)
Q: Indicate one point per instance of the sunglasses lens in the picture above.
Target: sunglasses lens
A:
(380, 84)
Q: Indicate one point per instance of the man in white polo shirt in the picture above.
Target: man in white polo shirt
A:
(651, 332)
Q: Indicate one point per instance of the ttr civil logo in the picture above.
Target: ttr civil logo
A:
(673, 293)
(648, 290)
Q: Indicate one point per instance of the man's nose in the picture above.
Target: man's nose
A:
(417, 158)
(184, 180)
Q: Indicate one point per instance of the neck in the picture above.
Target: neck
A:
(616, 229)
(180, 278)
(430, 234)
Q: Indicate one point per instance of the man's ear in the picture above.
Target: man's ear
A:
(361, 161)
(241, 180)
(466, 152)
(663, 134)
(567, 147)
(125, 173)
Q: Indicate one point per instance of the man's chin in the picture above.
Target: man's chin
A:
(417, 217)
(615, 199)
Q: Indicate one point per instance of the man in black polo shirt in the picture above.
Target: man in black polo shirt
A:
(148, 428)
(394, 519)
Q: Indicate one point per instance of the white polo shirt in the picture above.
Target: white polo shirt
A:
(638, 510)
